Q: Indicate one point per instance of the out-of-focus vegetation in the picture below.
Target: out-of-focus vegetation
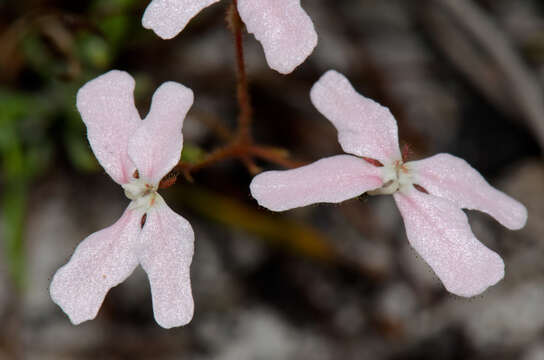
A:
(46, 54)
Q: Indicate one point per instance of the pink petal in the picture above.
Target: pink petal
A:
(365, 128)
(168, 17)
(155, 148)
(166, 251)
(107, 108)
(450, 177)
(103, 260)
(439, 231)
(333, 179)
(284, 29)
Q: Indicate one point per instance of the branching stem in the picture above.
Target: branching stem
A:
(240, 146)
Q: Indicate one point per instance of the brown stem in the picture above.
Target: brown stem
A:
(241, 145)
(275, 156)
(244, 102)
(218, 155)
(243, 152)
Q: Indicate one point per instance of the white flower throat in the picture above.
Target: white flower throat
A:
(397, 176)
(142, 194)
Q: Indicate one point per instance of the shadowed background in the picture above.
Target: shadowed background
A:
(321, 282)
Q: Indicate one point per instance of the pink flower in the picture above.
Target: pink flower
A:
(136, 154)
(282, 26)
(429, 193)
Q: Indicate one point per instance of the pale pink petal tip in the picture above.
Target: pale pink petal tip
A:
(331, 180)
(167, 18)
(167, 246)
(450, 177)
(284, 29)
(103, 260)
(155, 148)
(107, 108)
(439, 231)
(365, 128)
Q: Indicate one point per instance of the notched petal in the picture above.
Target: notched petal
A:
(284, 29)
(155, 148)
(439, 231)
(168, 17)
(365, 128)
(333, 179)
(165, 252)
(452, 178)
(106, 105)
(103, 260)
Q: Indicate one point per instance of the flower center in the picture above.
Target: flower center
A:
(396, 176)
(142, 194)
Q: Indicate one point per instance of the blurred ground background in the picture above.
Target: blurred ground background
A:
(322, 282)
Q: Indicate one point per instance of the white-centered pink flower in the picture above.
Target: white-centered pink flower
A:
(429, 193)
(284, 29)
(137, 154)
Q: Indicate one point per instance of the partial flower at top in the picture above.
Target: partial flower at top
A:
(429, 193)
(282, 26)
(137, 155)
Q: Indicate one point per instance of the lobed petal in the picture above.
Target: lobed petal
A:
(333, 179)
(107, 108)
(439, 231)
(167, 18)
(103, 260)
(452, 178)
(284, 29)
(166, 251)
(155, 147)
(365, 128)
